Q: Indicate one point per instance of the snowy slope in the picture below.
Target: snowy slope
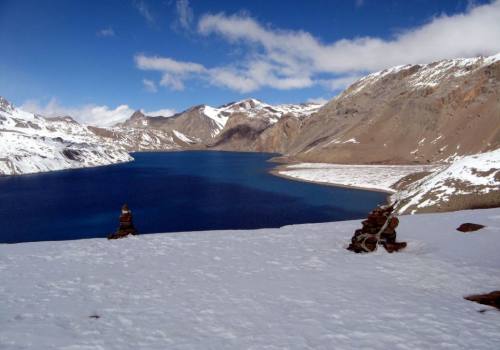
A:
(30, 143)
(476, 175)
(253, 108)
(290, 288)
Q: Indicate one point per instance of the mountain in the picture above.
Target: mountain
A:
(408, 114)
(31, 143)
(241, 125)
(445, 113)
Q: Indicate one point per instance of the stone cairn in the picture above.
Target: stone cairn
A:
(379, 228)
(126, 224)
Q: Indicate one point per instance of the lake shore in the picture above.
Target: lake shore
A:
(279, 169)
(378, 178)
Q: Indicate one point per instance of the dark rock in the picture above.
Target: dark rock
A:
(379, 228)
(491, 299)
(71, 154)
(469, 227)
(126, 224)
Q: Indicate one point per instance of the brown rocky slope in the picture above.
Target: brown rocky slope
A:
(408, 114)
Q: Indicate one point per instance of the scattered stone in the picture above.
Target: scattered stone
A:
(126, 224)
(379, 228)
(469, 227)
(490, 299)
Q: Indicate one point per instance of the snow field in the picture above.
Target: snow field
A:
(378, 177)
(290, 288)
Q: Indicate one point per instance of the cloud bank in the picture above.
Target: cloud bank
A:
(285, 59)
(89, 114)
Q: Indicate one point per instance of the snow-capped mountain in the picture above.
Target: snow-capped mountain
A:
(30, 143)
(253, 108)
(200, 126)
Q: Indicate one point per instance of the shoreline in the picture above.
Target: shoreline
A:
(284, 166)
(276, 172)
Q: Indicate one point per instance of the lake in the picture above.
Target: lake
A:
(169, 192)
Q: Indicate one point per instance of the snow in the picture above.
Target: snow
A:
(477, 174)
(30, 143)
(214, 114)
(291, 288)
(134, 139)
(353, 140)
(183, 137)
(253, 108)
(378, 177)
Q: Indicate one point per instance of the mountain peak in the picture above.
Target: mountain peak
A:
(5, 105)
(137, 115)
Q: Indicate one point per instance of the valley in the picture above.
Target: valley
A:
(427, 116)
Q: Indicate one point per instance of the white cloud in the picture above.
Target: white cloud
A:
(318, 100)
(339, 83)
(359, 3)
(106, 32)
(184, 14)
(149, 85)
(89, 114)
(143, 9)
(284, 59)
(166, 112)
(173, 72)
(167, 65)
(473, 33)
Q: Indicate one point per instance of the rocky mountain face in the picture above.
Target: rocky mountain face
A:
(30, 143)
(403, 115)
(248, 125)
(408, 114)
(414, 114)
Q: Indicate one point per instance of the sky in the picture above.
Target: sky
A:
(101, 60)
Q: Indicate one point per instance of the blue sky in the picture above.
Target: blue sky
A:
(102, 59)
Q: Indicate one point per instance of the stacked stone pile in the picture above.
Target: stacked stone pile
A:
(379, 228)
(126, 224)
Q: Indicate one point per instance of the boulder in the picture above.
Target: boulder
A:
(490, 299)
(469, 227)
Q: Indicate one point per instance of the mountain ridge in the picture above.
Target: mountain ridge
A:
(436, 113)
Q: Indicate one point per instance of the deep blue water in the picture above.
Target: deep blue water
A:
(169, 192)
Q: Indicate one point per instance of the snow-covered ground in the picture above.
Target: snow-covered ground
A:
(470, 175)
(291, 288)
(378, 177)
